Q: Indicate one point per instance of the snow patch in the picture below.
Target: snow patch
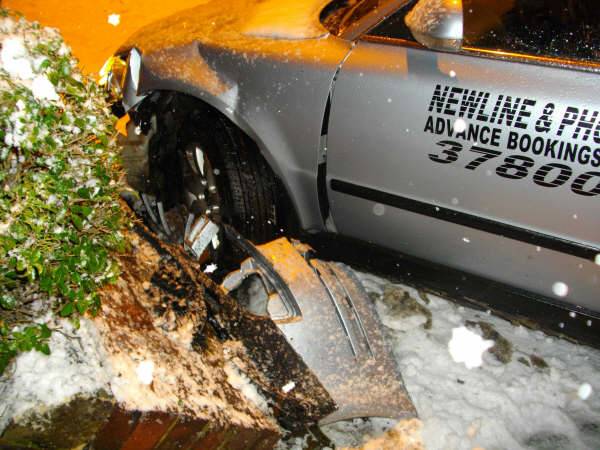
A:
(15, 58)
(240, 381)
(114, 19)
(527, 402)
(276, 19)
(43, 89)
(77, 365)
(468, 347)
(145, 371)
(27, 71)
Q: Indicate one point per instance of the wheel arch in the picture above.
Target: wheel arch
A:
(221, 109)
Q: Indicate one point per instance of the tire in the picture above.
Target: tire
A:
(181, 131)
(251, 197)
(251, 190)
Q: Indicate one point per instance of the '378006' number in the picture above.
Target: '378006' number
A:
(516, 167)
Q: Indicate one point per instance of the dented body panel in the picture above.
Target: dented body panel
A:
(330, 321)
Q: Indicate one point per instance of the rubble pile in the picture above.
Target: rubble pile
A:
(152, 382)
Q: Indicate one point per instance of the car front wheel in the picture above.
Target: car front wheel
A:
(189, 163)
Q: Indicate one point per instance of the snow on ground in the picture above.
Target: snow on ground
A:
(240, 381)
(546, 397)
(76, 366)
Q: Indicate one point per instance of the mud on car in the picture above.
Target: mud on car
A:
(461, 133)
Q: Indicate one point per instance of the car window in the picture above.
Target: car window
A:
(394, 27)
(340, 14)
(553, 28)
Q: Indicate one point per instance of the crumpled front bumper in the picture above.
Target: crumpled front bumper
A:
(329, 320)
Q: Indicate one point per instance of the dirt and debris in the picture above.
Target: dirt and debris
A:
(538, 362)
(502, 348)
(151, 318)
(405, 435)
(399, 304)
(524, 361)
(423, 296)
(256, 344)
(47, 427)
(148, 324)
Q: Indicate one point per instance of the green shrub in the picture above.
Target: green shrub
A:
(60, 219)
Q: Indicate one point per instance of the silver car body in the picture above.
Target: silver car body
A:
(382, 120)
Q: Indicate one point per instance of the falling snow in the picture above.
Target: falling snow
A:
(378, 209)
(560, 289)
(460, 125)
(584, 391)
(114, 19)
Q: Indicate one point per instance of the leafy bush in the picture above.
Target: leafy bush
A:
(60, 218)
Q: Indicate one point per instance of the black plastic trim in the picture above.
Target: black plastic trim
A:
(322, 190)
(469, 220)
(325, 124)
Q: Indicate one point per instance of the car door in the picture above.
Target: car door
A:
(486, 160)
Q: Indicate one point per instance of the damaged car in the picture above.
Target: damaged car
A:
(462, 133)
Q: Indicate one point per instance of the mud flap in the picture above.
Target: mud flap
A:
(329, 320)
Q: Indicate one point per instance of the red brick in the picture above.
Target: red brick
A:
(117, 429)
(184, 434)
(149, 430)
(215, 438)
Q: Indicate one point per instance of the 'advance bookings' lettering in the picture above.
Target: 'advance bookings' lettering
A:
(509, 122)
(503, 121)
